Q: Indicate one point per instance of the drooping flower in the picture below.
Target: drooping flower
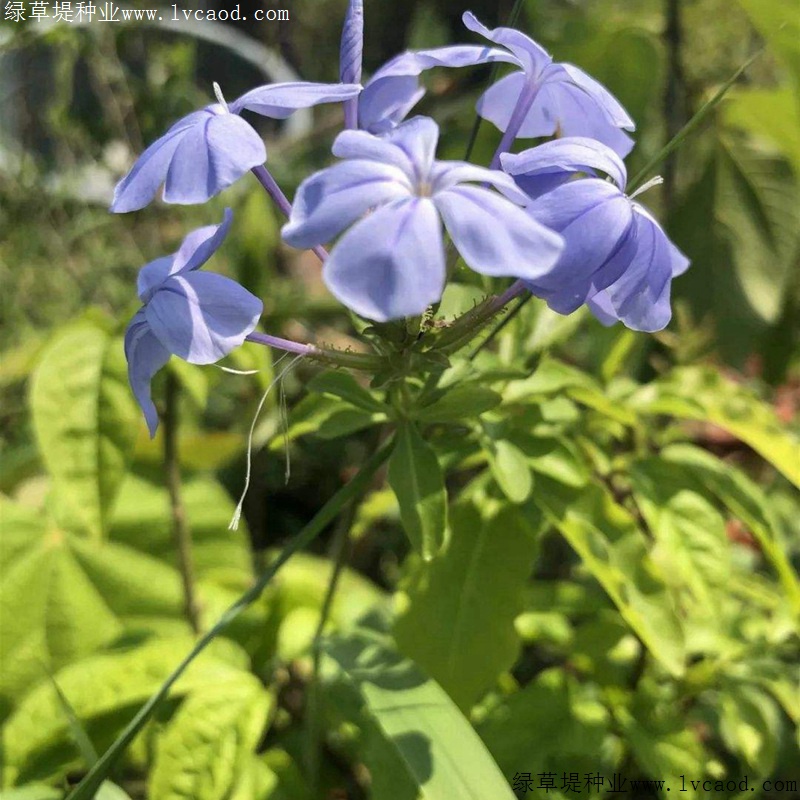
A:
(617, 257)
(545, 98)
(198, 316)
(393, 195)
(206, 151)
(391, 93)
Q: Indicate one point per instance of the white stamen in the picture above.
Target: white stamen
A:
(237, 514)
(238, 371)
(649, 185)
(220, 96)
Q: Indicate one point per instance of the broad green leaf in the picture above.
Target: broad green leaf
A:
(510, 469)
(86, 421)
(32, 791)
(199, 450)
(770, 114)
(110, 791)
(738, 224)
(557, 458)
(344, 386)
(701, 393)
(317, 413)
(457, 614)
(691, 544)
(778, 21)
(663, 744)
(554, 724)
(461, 402)
(142, 520)
(751, 726)
(424, 743)
(417, 480)
(614, 550)
(36, 738)
(746, 501)
(209, 741)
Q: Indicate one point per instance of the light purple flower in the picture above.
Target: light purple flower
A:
(394, 89)
(545, 98)
(206, 151)
(617, 257)
(392, 196)
(198, 316)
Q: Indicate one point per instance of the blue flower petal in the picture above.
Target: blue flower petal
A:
(334, 198)
(540, 169)
(196, 248)
(530, 56)
(145, 356)
(281, 100)
(495, 237)
(140, 185)
(391, 264)
(594, 217)
(201, 316)
(210, 157)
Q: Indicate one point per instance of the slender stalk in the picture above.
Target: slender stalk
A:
(690, 127)
(674, 89)
(500, 325)
(276, 193)
(312, 715)
(181, 533)
(473, 136)
(87, 788)
(281, 344)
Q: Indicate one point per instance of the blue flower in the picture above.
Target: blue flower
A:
(206, 151)
(545, 98)
(198, 316)
(393, 196)
(394, 89)
(617, 258)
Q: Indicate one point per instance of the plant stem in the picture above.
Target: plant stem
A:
(312, 717)
(87, 788)
(500, 325)
(276, 193)
(673, 91)
(181, 534)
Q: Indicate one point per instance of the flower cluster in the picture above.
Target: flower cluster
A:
(554, 217)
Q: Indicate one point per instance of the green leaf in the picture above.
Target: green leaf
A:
(554, 724)
(344, 386)
(746, 501)
(779, 23)
(464, 401)
(613, 549)
(36, 738)
(142, 520)
(510, 469)
(208, 741)
(739, 224)
(32, 791)
(691, 544)
(751, 726)
(702, 393)
(458, 612)
(418, 482)
(424, 744)
(86, 421)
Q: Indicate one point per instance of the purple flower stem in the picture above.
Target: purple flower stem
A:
(523, 106)
(275, 192)
(282, 344)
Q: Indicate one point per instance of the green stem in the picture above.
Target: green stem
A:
(312, 717)
(689, 128)
(500, 325)
(181, 533)
(91, 782)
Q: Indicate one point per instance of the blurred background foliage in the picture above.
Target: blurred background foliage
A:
(637, 522)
